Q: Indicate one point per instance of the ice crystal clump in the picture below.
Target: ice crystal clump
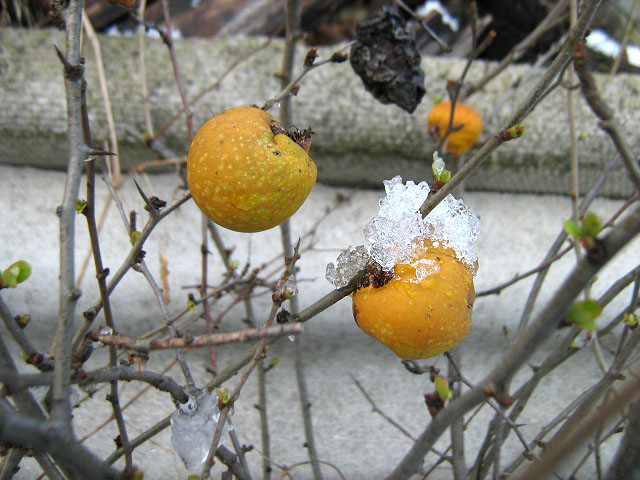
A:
(348, 264)
(392, 235)
(399, 228)
(192, 427)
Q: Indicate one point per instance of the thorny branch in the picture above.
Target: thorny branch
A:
(73, 75)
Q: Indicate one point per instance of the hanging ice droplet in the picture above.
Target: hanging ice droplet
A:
(106, 331)
(192, 427)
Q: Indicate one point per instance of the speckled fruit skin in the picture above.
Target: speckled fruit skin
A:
(462, 140)
(242, 176)
(419, 320)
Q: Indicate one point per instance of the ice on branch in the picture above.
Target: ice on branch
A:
(192, 427)
(348, 264)
(398, 229)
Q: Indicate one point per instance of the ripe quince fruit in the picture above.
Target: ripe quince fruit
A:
(459, 141)
(246, 172)
(419, 318)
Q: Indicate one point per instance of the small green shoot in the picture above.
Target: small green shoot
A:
(583, 314)
(14, 274)
(442, 389)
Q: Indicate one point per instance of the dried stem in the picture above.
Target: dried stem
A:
(146, 107)
(236, 62)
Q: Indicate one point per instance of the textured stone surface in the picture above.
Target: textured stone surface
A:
(359, 141)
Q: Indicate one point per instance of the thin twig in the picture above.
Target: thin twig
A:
(168, 40)
(377, 410)
(625, 38)
(557, 243)
(545, 264)
(608, 122)
(142, 268)
(457, 428)
(19, 429)
(262, 402)
(291, 86)
(15, 383)
(39, 360)
(232, 66)
(586, 419)
(441, 43)
(101, 274)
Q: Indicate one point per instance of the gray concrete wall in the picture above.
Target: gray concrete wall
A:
(358, 141)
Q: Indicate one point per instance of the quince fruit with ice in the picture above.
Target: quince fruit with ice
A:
(419, 316)
(459, 141)
(246, 172)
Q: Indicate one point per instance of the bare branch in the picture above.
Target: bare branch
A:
(248, 335)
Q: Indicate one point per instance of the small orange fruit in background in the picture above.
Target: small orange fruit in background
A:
(245, 173)
(419, 319)
(458, 141)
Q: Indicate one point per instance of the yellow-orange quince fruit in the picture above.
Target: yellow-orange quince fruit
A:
(419, 319)
(245, 177)
(458, 141)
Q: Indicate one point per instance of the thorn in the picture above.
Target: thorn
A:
(148, 203)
